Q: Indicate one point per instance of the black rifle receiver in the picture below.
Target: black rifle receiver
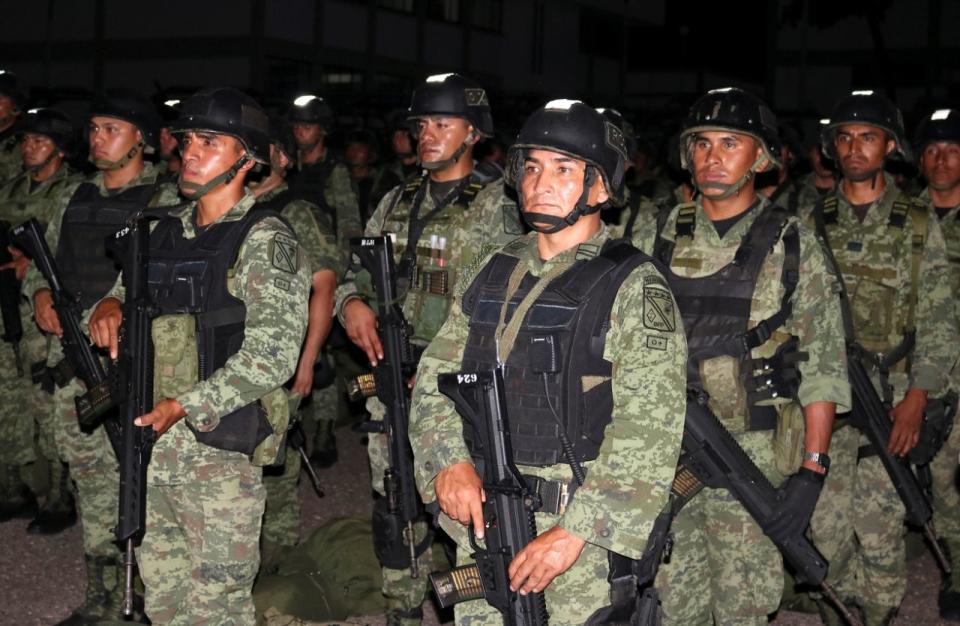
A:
(10, 299)
(508, 512)
(80, 354)
(391, 375)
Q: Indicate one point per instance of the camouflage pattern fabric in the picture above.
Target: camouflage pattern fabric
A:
(626, 486)
(339, 196)
(858, 524)
(726, 569)
(647, 211)
(491, 219)
(11, 160)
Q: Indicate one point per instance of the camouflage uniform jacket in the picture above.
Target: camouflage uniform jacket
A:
(165, 195)
(339, 196)
(276, 320)
(876, 259)
(313, 230)
(490, 219)
(11, 159)
(628, 484)
(815, 319)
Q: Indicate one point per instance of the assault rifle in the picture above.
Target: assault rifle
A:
(81, 357)
(712, 457)
(403, 505)
(133, 444)
(10, 299)
(871, 416)
(507, 513)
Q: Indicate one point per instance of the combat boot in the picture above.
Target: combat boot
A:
(59, 512)
(22, 505)
(98, 603)
(949, 598)
(324, 445)
(408, 617)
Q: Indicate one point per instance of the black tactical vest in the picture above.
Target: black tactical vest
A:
(716, 310)
(189, 276)
(561, 341)
(86, 270)
(309, 184)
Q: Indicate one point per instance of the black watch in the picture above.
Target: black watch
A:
(820, 458)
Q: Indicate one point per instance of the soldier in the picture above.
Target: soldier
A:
(766, 347)
(320, 177)
(370, 181)
(617, 444)
(12, 103)
(938, 144)
(122, 127)
(281, 518)
(891, 253)
(169, 155)
(218, 422)
(47, 137)
(405, 163)
(440, 219)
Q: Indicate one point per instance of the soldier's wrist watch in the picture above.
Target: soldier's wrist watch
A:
(820, 458)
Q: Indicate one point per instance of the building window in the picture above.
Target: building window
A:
(405, 6)
(487, 14)
(445, 10)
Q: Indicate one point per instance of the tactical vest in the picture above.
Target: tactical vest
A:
(190, 276)
(86, 270)
(277, 203)
(556, 377)
(826, 214)
(716, 310)
(310, 182)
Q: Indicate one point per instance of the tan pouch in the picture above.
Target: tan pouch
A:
(277, 405)
(788, 439)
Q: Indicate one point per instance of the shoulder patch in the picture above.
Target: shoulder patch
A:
(654, 279)
(587, 251)
(658, 310)
(284, 253)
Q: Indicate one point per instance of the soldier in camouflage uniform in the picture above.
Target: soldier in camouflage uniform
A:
(281, 518)
(441, 220)
(12, 103)
(891, 252)
(370, 181)
(47, 138)
(745, 273)
(122, 127)
(622, 433)
(938, 144)
(220, 411)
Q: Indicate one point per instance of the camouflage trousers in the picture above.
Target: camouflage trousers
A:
(945, 471)
(200, 552)
(571, 597)
(722, 568)
(94, 470)
(281, 515)
(402, 592)
(23, 402)
(858, 526)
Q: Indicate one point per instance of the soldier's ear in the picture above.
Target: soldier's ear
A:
(600, 190)
(472, 135)
(891, 145)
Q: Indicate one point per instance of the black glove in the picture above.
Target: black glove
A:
(798, 497)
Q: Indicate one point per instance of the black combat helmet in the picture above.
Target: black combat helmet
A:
(941, 125)
(310, 109)
(870, 108)
(571, 127)
(456, 96)
(10, 87)
(227, 111)
(732, 108)
(130, 107)
(50, 123)
(629, 134)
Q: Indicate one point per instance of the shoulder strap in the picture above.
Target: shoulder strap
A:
(634, 208)
(686, 220)
(920, 216)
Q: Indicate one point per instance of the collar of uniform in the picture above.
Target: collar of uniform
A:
(925, 196)
(705, 227)
(581, 252)
(273, 193)
(146, 177)
(61, 173)
(185, 215)
(876, 213)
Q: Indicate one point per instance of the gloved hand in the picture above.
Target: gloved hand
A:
(798, 497)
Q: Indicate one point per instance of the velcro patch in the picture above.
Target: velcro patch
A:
(658, 309)
(282, 284)
(285, 253)
(656, 343)
(587, 251)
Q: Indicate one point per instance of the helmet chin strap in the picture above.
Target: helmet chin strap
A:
(870, 175)
(729, 190)
(36, 168)
(108, 165)
(435, 166)
(193, 191)
(549, 224)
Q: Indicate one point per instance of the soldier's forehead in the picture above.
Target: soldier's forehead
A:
(858, 129)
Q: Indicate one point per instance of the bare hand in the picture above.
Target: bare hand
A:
(45, 314)
(461, 496)
(105, 325)
(543, 559)
(907, 418)
(303, 379)
(360, 322)
(165, 414)
(19, 263)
